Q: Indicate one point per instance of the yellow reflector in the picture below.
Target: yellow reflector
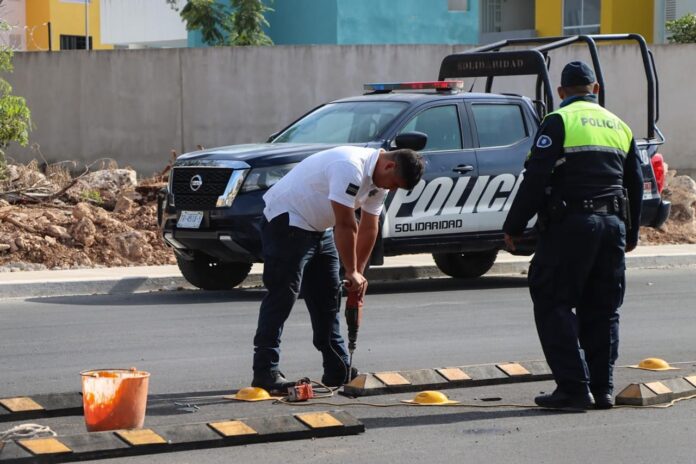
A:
(654, 364)
(430, 397)
(251, 394)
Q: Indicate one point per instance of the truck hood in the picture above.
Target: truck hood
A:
(260, 154)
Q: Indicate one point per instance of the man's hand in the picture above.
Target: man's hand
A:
(356, 282)
(510, 242)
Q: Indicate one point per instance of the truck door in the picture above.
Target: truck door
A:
(503, 132)
(438, 205)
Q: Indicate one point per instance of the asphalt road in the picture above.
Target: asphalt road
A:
(195, 341)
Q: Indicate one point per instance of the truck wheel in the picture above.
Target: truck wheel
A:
(208, 273)
(465, 265)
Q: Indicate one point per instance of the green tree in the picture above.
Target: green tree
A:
(683, 29)
(220, 25)
(209, 17)
(247, 23)
(15, 117)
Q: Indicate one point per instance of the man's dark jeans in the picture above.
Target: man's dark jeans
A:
(296, 260)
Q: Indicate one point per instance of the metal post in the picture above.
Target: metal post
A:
(50, 39)
(86, 24)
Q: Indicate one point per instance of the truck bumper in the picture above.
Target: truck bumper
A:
(662, 213)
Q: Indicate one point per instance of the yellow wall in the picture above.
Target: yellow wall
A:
(616, 16)
(622, 16)
(549, 17)
(67, 18)
(37, 13)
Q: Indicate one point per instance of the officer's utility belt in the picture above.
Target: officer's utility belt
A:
(603, 205)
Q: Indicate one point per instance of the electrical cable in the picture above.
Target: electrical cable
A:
(24, 431)
(468, 405)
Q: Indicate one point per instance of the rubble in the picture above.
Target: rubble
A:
(55, 221)
(681, 225)
(107, 218)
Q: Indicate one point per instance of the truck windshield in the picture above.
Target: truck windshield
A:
(347, 122)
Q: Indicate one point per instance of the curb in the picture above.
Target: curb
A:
(139, 284)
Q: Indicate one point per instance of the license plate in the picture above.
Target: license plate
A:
(190, 219)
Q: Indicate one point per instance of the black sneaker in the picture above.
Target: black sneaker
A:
(565, 401)
(603, 400)
(271, 381)
(330, 381)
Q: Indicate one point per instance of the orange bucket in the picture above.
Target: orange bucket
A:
(114, 399)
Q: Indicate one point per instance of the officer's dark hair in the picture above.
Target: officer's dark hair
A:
(409, 165)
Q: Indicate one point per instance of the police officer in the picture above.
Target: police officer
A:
(583, 179)
(310, 222)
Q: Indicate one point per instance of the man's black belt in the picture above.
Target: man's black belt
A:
(613, 204)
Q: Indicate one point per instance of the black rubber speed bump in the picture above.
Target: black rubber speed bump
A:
(382, 383)
(657, 392)
(38, 406)
(165, 439)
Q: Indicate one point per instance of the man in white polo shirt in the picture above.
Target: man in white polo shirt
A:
(309, 223)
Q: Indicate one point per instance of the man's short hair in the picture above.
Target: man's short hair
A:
(409, 166)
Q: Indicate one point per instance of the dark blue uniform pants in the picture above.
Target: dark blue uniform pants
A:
(296, 260)
(579, 264)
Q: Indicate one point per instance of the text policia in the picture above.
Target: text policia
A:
(441, 205)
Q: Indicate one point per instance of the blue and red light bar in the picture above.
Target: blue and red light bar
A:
(427, 85)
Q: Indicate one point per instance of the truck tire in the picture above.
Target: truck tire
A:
(465, 265)
(208, 273)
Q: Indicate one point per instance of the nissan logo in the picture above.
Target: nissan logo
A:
(196, 182)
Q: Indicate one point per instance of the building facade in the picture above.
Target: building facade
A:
(53, 25)
(41, 25)
(645, 17)
(13, 12)
(142, 24)
(353, 22)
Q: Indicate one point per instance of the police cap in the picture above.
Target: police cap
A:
(577, 73)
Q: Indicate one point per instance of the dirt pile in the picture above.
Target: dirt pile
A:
(52, 220)
(681, 225)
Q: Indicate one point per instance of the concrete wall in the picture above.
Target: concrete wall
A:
(134, 106)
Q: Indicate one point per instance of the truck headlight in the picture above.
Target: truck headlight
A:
(264, 178)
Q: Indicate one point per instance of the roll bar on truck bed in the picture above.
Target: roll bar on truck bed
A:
(490, 61)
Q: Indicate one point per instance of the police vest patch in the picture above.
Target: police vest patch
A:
(352, 190)
(544, 141)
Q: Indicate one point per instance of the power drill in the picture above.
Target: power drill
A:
(354, 304)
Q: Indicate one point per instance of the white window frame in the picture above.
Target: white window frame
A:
(567, 29)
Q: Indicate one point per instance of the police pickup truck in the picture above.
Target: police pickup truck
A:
(475, 145)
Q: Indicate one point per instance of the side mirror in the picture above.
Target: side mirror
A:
(413, 140)
(272, 136)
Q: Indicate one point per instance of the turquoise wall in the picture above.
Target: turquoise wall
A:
(348, 22)
(303, 22)
(405, 22)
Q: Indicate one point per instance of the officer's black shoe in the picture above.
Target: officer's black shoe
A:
(565, 401)
(603, 401)
(271, 381)
(330, 381)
